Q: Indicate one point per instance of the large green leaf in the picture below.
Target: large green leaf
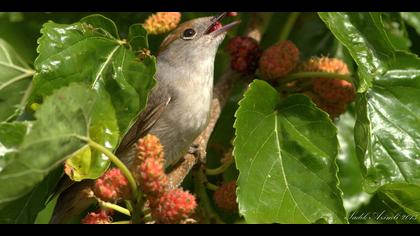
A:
(15, 78)
(285, 151)
(388, 115)
(407, 196)
(387, 127)
(359, 32)
(11, 136)
(381, 210)
(25, 209)
(138, 37)
(65, 122)
(350, 174)
(395, 30)
(90, 51)
(90, 164)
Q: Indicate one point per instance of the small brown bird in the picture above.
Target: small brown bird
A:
(178, 107)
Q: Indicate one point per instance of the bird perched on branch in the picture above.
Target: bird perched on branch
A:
(178, 108)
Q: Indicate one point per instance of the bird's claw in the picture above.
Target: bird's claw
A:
(197, 151)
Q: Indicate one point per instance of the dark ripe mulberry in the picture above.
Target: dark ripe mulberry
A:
(245, 53)
(225, 197)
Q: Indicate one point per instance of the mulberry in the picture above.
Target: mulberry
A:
(279, 60)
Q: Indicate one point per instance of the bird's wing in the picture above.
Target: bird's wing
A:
(146, 120)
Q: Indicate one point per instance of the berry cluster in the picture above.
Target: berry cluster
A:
(148, 167)
(112, 186)
(162, 22)
(167, 205)
(100, 217)
(172, 206)
(279, 60)
(245, 53)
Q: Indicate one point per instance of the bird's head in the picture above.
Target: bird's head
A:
(195, 39)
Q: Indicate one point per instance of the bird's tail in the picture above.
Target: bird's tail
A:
(72, 202)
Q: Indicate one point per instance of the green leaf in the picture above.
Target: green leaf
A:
(101, 22)
(91, 52)
(413, 19)
(407, 196)
(137, 37)
(387, 128)
(396, 31)
(381, 210)
(25, 209)
(65, 122)
(358, 32)
(285, 151)
(350, 174)
(388, 115)
(15, 79)
(11, 136)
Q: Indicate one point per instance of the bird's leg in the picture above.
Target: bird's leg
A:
(196, 150)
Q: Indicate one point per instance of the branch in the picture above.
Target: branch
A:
(221, 93)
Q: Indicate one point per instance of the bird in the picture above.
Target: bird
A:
(178, 107)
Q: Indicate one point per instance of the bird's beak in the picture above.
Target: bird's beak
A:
(215, 21)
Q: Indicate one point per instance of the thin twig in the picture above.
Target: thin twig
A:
(209, 215)
(117, 162)
(229, 160)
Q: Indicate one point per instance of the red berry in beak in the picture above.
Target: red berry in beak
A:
(217, 25)
(233, 13)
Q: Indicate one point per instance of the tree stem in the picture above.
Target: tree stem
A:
(287, 28)
(211, 186)
(301, 75)
(118, 163)
(121, 222)
(200, 181)
(221, 168)
(118, 208)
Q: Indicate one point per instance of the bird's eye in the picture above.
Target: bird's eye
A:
(188, 34)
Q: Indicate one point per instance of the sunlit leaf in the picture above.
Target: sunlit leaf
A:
(279, 143)
(63, 126)
(15, 78)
